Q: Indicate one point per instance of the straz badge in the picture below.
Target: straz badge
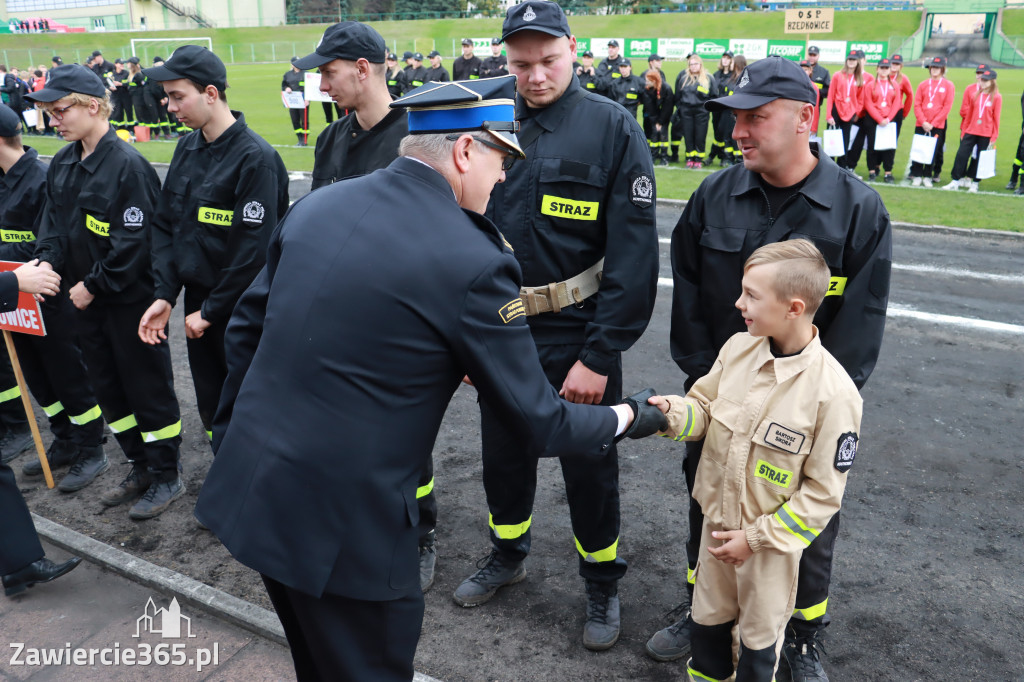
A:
(780, 437)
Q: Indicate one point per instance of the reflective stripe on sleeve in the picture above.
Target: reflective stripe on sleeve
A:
(691, 575)
(601, 555)
(794, 525)
(509, 532)
(162, 434)
(425, 490)
(700, 677)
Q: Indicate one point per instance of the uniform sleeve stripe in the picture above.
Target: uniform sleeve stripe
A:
(687, 429)
(794, 525)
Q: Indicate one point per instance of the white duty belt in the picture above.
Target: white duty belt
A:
(551, 298)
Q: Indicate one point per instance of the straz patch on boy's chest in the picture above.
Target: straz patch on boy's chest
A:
(779, 477)
(780, 437)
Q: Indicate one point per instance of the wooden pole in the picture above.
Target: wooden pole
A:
(29, 413)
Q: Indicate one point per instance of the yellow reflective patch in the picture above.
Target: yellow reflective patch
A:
(701, 88)
(779, 477)
(17, 235)
(512, 310)
(567, 208)
(98, 226)
(631, 95)
(836, 286)
(215, 216)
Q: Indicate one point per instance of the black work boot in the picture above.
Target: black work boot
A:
(15, 442)
(495, 571)
(800, 652)
(428, 561)
(131, 488)
(90, 463)
(601, 630)
(673, 642)
(60, 453)
(157, 499)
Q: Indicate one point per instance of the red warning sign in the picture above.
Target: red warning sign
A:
(27, 318)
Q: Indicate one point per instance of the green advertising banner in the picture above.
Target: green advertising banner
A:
(710, 48)
(582, 45)
(872, 51)
(641, 48)
(792, 50)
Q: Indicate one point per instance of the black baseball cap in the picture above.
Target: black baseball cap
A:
(97, 53)
(495, 41)
(66, 79)
(613, 43)
(118, 61)
(133, 60)
(195, 63)
(855, 54)
(805, 63)
(294, 59)
(392, 57)
(988, 75)
(433, 53)
(767, 80)
(813, 49)
(884, 63)
(728, 53)
(57, 60)
(938, 62)
(896, 59)
(158, 60)
(625, 62)
(348, 40)
(467, 41)
(981, 67)
(653, 57)
(588, 53)
(535, 15)
(418, 56)
(407, 55)
(10, 122)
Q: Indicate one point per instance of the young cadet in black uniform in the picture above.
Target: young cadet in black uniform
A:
(145, 113)
(122, 116)
(394, 76)
(573, 210)
(101, 195)
(721, 76)
(496, 64)
(586, 73)
(467, 67)
(294, 80)
(332, 529)
(608, 69)
(626, 90)
(436, 73)
(157, 98)
(820, 76)
(100, 66)
(225, 191)
(52, 364)
(785, 189)
(23, 563)
(416, 73)
(350, 57)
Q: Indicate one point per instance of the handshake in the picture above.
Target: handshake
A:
(647, 419)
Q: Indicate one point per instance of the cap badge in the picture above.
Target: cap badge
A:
(744, 80)
(529, 14)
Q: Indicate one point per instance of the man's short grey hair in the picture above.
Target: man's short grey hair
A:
(433, 148)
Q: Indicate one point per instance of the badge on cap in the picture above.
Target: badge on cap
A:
(529, 14)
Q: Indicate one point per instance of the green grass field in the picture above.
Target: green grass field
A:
(254, 90)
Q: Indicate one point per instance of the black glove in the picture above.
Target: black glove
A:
(649, 419)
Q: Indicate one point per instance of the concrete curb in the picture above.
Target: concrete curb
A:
(217, 603)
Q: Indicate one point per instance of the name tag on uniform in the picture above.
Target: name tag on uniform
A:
(215, 216)
(783, 438)
(567, 208)
(97, 226)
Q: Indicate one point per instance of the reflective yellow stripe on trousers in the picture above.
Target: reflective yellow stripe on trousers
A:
(425, 490)
(123, 424)
(162, 434)
(811, 612)
(509, 532)
(10, 394)
(87, 416)
(53, 410)
(601, 555)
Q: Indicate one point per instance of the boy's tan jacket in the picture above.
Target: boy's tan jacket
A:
(780, 434)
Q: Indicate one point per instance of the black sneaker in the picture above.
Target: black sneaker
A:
(801, 655)
(157, 499)
(603, 625)
(15, 442)
(428, 561)
(134, 484)
(872, 176)
(889, 179)
(90, 463)
(495, 572)
(60, 453)
(1011, 185)
(673, 642)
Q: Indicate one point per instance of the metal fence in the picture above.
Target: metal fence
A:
(1007, 50)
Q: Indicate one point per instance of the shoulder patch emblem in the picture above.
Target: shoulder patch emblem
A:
(846, 450)
(133, 217)
(253, 212)
(512, 310)
(641, 191)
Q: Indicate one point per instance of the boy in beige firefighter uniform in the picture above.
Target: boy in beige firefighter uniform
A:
(781, 419)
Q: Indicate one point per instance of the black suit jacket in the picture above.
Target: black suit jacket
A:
(343, 356)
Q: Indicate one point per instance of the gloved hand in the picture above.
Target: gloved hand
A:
(648, 420)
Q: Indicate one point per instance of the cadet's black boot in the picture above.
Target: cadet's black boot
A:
(90, 463)
(157, 498)
(60, 453)
(800, 652)
(495, 571)
(131, 488)
(42, 571)
(428, 561)
(673, 642)
(14, 442)
(601, 630)
(674, 158)
(1012, 184)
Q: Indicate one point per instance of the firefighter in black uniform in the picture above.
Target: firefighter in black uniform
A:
(122, 116)
(367, 138)
(52, 364)
(468, 66)
(627, 89)
(294, 80)
(608, 69)
(225, 191)
(495, 65)
(416, 73)
(101, 195)
(718, 144)
(785, 189)
(162, 124)
(100, 66)
(820, 76)
(23, 563)
(654, 64)
(581, 219)
(436, 73)
(586, 72)
(394, 76)
(145, 113)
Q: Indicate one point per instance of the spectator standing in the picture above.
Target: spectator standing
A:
(843, 105)
(979, 129)
(882, 101)
(932, 104)
(657, 101)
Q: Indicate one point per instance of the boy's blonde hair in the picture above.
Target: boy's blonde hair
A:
(105, 106)
(804, 273)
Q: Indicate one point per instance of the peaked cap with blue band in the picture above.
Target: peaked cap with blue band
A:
(487, 104)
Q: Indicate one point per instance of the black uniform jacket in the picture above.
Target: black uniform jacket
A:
(220, 203)
(573, 201)
(415, 76)
(727, 218)
(345, 150)
(466, 69)
(397, 83)
(626, 91)
(296, 80)
(8, 295)
(492, 67)
(22, 196)
(343, 356)
(693, 95)
(439, 75)
(657, 106)
(95, 227)
(822, 79)
(607, 73)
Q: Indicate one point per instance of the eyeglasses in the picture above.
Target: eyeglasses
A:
(506, 162)
(59, 113)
